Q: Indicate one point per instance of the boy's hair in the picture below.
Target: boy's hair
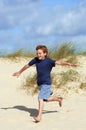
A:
(44, 48)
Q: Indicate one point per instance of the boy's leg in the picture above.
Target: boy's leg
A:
(59, 99)
(39, 116)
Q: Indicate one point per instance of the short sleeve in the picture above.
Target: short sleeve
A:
(52, 62)
(32, 62)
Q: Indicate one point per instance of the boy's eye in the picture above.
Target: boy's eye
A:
(38, 53)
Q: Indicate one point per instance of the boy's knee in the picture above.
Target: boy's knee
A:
(39, 99)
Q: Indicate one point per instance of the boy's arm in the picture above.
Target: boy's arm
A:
(17, 74)
(65, 63)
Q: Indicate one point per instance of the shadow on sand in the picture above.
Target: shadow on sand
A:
(33, 112)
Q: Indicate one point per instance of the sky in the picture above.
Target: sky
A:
(28, 23)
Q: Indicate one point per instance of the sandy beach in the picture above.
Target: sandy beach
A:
(17, 108)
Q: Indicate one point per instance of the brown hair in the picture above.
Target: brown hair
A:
(42, 47)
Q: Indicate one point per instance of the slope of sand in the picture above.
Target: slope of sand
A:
(17, 109)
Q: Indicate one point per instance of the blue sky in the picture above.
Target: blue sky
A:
(27, 23)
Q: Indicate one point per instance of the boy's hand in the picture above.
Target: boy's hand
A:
(17, 74)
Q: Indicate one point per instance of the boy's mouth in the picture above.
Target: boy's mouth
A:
(40, 57)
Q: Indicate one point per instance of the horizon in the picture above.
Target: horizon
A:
(23, 50)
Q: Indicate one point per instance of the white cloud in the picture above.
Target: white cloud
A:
(14, 13)
(38, 23)
(45, 21)
(70, 23)
(74, 22)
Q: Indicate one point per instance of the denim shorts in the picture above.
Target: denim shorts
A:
(45, 92)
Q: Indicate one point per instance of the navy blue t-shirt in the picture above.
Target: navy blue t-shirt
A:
(43, 68)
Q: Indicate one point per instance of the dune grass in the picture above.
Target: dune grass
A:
(68, 76)
(31, 84)
(58, 81)
(84, 53)
(65, 51)
(83, 86)
(19, 54)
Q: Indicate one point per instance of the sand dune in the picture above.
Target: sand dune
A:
(17, 108)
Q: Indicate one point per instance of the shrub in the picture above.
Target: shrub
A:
(20, 53)
(31, 84)
(65, 77)
(65, 50)
(83, 86)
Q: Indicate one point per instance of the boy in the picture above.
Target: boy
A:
(43, 66)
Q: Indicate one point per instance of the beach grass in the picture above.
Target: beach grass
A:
(62, 51)
(83, 86)
(20, 53)
(59, 81)
(30, 84)
(65, 52)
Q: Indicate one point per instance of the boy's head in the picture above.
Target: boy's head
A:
(42, 52)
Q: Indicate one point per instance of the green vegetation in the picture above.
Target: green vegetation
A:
(20, 53)
(17, 53)
(59, 81)
(65, 52)
(72, 59)
(68, 76)
(84, 53)
(83, 86)
(31, 84)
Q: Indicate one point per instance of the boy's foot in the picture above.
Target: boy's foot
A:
(60, 101)
(37, 119)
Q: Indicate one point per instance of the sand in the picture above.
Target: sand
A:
(17, 108)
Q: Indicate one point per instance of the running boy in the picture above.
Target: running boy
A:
(43, 66)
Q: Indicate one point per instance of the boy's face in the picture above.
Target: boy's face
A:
(40, 54)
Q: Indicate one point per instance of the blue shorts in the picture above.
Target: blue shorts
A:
(45, 92)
